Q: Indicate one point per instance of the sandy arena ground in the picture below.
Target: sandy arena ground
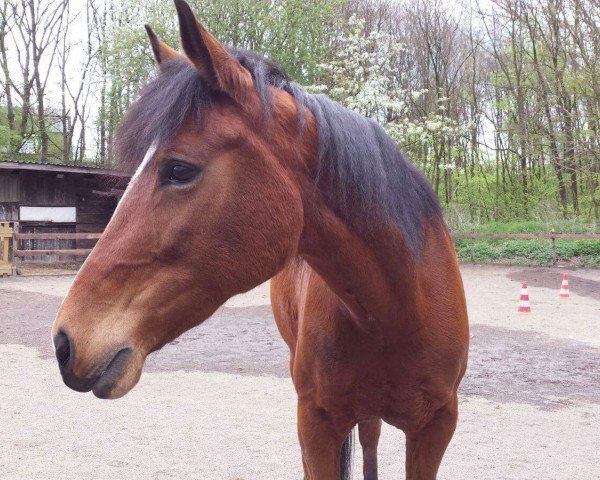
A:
(218, 403)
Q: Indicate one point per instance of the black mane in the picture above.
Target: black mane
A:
(362, 172)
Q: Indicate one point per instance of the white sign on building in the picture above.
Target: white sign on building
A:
(48, 214)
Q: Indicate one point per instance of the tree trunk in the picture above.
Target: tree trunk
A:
(43, 131)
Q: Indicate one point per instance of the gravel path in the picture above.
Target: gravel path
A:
(218, 404)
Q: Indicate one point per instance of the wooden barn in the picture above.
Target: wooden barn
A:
(56, 198)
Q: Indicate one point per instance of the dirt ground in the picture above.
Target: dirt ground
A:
(218, 404)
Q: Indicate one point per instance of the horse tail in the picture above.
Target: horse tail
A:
(346, 457)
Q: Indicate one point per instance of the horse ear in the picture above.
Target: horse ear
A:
(216, 65)
(161, 50)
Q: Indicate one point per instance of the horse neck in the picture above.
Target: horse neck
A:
(370, 267)
(373, 270)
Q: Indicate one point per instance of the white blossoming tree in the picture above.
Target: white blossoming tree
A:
(363, 76)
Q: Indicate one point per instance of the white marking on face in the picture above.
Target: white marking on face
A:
(149, 154)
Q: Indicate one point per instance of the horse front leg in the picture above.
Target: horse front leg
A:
(425, 448)
(368, 434)
(321, 441)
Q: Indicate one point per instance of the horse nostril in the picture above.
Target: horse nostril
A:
(62, 346)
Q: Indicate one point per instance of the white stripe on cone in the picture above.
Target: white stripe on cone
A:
(564, 288)
(524, 306)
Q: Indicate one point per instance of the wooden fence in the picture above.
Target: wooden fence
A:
(72, 252)
(529, 236)
(6, 233)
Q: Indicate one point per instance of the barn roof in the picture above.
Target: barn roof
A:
(90, 169)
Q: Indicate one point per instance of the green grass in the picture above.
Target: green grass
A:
(529, 252)
(531, 226)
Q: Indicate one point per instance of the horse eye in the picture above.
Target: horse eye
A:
(178, 172)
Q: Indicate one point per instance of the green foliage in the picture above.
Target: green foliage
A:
(296, 34)
(529, 252)
(527, 226)
(11, 140)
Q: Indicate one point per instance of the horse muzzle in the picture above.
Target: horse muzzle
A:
(106, 381)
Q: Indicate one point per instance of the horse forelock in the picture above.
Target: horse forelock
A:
(176, 95)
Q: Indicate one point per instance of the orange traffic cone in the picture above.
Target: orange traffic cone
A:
(524, 306)
(564, 288)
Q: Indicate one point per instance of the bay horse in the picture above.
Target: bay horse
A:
(242, 176)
